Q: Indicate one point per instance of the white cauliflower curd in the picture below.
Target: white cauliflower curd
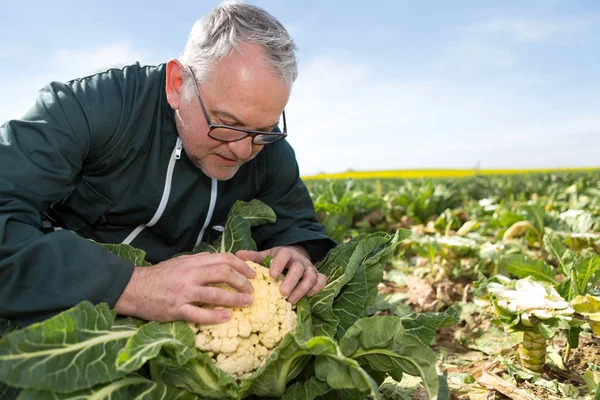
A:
(242, 344)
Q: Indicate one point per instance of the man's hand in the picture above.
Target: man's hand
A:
(170, 290)
(302, 278)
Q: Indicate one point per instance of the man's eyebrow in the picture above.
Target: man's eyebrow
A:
(228, 116)
(236, 122)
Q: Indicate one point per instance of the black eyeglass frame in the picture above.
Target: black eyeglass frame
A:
(249, 132)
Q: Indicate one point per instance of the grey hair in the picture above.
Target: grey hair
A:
(217, 34)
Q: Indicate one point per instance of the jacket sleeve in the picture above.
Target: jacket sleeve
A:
(285, 192)
(41, 161)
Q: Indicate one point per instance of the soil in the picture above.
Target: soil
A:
(456, 350)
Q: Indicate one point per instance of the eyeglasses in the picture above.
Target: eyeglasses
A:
(226, 133)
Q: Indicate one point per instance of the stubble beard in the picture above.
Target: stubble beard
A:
(201, 164)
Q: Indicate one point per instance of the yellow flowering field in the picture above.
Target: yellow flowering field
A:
(438, 173)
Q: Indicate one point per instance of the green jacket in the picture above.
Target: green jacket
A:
(101, 156)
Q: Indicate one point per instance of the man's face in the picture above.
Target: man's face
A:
(239, 91)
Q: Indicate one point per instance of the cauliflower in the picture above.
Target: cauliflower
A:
(531, 299)
(242, 344)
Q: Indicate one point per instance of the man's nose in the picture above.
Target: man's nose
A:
(242, 148)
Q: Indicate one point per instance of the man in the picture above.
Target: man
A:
(155, 157)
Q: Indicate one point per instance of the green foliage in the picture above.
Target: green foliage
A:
(129, 387)
(424, 326)
(135, 256)
(581, 270)
(522, 267)
(88, 351)
(236, 234)
(41, 356)
(354, 270)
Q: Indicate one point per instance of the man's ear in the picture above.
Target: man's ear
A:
(174, 83)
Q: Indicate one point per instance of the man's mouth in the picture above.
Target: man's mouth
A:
(226, 160)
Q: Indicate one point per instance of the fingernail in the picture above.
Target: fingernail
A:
(285, 293)
(225, 315)
(247, 299)
(251, 288)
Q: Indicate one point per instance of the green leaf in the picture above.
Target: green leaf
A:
(307, 390)
(204, 248)
(588, 306)
(354, 269)
(386, 302)
(536, 214)
(549, 327)
(175, 339)
(564, 288)
(587, 268)
(129, 387)
(8, 392)
(383, 344)
(284, 364)
(361, 292)
(425, 325)
(304, 324)
(237, 234)
(199, 375)
(563, 255)
(266, 262)
(7, 326)
(346, 374)
(129, 253)
(573, 336)
(444, 391)
(392, 390)
(80, 342)
(522, 267)
(255, 212)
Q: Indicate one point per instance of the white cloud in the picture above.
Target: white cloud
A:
(64, 65)
(471, 57)
(75, 63)
(344, 116)
(528, 30)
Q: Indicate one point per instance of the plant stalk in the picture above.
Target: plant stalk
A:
(532, 351)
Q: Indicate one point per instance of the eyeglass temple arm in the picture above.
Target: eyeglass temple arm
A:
(200, 98)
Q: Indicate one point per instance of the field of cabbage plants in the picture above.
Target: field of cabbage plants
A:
(518, 255)
(472, 288)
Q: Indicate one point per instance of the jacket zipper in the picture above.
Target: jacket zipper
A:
(175, 155)
(211, 209)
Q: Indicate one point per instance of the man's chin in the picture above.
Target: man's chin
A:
(220, 174)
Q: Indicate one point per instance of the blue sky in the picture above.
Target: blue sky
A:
(382, 85)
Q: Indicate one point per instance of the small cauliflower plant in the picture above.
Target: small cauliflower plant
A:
(242, 344)
(534, 308)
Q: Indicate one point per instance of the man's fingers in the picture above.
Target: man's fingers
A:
(221, 297)
(222, 273)
(204, 316)
(281, 258)
(237, 263)
(321, 283)
(249, 255)
(230, 260)
(295, 272)
(309, 279)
